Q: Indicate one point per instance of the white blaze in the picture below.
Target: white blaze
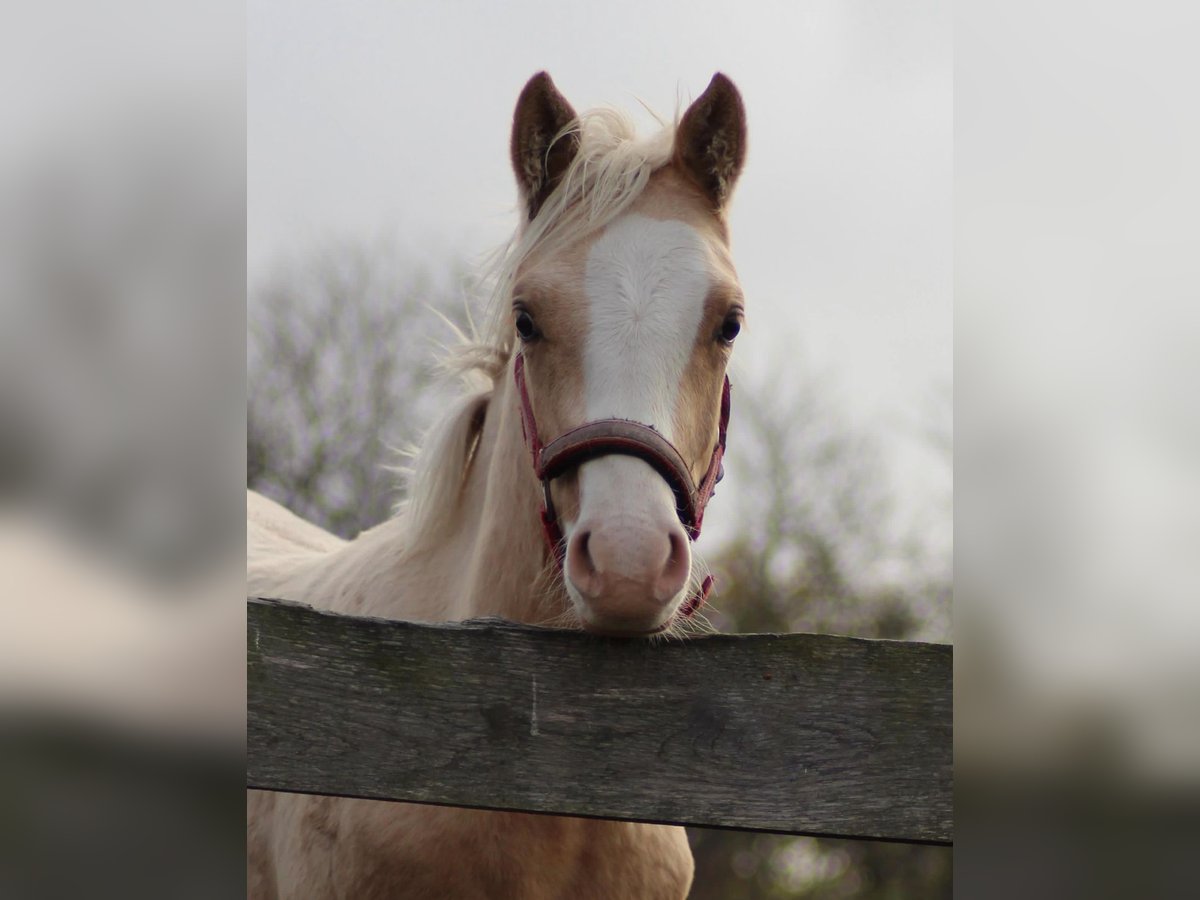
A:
(646, 282)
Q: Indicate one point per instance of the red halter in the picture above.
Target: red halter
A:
(606, 436)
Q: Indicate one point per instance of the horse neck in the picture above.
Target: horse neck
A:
(508, 573)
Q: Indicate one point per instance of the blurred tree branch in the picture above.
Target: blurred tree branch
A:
(340, 377)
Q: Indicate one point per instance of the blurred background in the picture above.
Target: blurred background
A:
(1077, 459)
(373, 138)
(122, 449)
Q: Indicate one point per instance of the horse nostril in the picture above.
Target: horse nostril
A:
(678, 566)
(678, 547)
(579, 554)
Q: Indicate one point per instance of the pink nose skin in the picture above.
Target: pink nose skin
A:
(628, 577)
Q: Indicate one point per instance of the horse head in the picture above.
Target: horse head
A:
(624, 310)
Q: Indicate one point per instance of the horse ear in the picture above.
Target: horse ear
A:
(539, 161)
(710, 142)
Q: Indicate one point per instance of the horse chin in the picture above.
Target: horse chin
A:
(597, 621)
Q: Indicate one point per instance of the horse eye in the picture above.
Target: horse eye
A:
(526, 330)
(730, 328)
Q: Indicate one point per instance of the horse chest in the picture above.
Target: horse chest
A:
(374, 851)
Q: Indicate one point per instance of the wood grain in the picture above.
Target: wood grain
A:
(794, 733)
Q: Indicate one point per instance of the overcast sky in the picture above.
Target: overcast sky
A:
(376, 117)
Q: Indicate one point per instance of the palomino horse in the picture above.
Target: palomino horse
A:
(567, 488)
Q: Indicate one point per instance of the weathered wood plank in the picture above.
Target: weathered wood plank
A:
(797, 733)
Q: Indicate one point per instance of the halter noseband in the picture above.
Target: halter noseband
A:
(621, 436)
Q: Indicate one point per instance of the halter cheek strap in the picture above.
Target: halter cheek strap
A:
(622, 436)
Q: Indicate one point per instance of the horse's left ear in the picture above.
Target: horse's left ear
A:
(710, 143)
(539, 160)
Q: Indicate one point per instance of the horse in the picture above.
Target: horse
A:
(565, 486)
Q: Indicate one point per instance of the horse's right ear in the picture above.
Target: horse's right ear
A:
(540, 161)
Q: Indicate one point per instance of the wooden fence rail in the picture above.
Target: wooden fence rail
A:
(794, 733)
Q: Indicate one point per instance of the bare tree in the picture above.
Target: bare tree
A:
(818, 546)
(341, 376)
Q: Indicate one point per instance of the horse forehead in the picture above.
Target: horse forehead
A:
(646, 282)
(640, 262)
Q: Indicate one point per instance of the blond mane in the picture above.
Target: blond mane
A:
(608, 173)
